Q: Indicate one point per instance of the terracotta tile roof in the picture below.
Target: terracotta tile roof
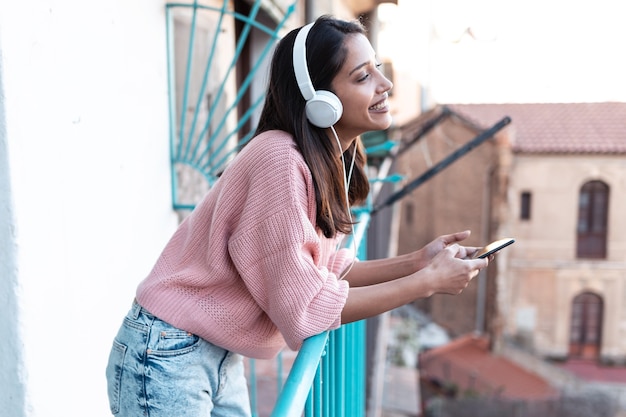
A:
(467, 363)
(580, 128)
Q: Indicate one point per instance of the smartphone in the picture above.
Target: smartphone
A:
(493, 247)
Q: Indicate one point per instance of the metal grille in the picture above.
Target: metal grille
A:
(217, 58)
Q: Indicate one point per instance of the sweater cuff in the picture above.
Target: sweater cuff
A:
(341, 261)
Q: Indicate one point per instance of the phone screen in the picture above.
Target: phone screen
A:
(493, 247)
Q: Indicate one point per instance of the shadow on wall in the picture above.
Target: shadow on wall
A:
(12, 398)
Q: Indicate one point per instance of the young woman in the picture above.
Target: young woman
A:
(256, 265)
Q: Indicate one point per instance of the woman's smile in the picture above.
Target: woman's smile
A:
(381, 106)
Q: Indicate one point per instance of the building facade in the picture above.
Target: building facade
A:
(564, 292)
(559, 291)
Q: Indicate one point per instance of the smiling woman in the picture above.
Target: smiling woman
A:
(254, 268)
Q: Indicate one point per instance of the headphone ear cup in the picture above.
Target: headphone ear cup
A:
(324, 109)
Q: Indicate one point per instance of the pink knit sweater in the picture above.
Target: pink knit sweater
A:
(248, 270)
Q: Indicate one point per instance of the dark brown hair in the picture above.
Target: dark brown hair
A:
(284, 109)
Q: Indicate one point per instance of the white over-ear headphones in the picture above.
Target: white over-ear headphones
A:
(323, 108)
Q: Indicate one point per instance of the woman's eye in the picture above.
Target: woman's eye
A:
(378, 66)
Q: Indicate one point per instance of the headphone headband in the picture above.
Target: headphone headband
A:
(300, 66)
(323, 108)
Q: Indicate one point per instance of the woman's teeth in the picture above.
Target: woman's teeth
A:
(379, 106)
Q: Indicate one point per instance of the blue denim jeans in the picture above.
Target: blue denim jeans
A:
(158, 370)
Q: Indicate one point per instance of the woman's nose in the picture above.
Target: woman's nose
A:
(385, 84)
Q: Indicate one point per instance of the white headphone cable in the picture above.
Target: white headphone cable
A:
(346, 183)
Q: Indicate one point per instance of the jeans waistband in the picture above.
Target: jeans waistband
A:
(137, 309)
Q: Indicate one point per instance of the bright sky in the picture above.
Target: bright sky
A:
(522, 51)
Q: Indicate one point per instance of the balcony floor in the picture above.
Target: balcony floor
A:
(401, 392)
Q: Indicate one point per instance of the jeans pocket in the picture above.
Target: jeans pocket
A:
(174, 342)
(114, 375)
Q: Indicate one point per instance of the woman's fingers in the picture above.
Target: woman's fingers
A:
(454, 272)
(455, 237)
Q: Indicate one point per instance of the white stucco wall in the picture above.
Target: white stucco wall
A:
(85, 202)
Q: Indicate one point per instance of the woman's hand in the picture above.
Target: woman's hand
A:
(428, 252)
(385, 285)
(450, 272)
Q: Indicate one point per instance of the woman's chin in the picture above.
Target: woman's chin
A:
(382, 121)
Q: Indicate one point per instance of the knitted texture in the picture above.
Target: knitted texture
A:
(248, 270)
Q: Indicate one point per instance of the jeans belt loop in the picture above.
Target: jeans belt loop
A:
(136, 309)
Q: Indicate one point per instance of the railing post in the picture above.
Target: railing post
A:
(292, 398)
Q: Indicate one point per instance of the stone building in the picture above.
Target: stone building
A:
(554, 179)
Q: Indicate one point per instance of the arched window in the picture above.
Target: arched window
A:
(593, 205)
(586, 326)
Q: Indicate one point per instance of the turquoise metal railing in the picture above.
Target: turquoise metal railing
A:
(205, 140)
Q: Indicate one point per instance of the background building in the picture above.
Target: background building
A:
(561, 291)
(557, 294)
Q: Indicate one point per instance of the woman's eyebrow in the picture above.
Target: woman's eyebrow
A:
(359, 67)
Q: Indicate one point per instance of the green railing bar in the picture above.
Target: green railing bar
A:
(207, 71)
(330, 360)
(293, 395)
(390, 178)
(223, 11)
(240, 44)
(324, 389)
(185, 150)
(239, 16)
(183, 113)
(386, 147)
(172, 103)
(241, 91)
(217, 165)
(244, 87)
(339, 354)
(313, 405)
(253, 386)
(355, 386)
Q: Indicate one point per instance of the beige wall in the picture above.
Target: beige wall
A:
(542, 274)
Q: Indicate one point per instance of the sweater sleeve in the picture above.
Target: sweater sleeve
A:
(277, 263)
(280, 258)
(341, 261)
